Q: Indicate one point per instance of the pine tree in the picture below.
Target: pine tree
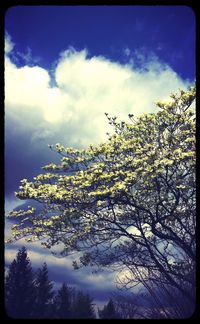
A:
(83, 307)
(63, 301)
(44, 293)
(108, 312)
(19, 287)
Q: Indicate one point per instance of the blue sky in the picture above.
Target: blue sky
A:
(167, 31)
(64, 67)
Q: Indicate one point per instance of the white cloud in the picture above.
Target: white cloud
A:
(9, 45)
(86, 87)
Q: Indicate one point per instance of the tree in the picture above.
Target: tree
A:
(108, 312)
(169, 302)
(44, 293)
(83, 306)
(126, 305)
(128, 203)
(63, 302)
(69, 303)
(19, 287)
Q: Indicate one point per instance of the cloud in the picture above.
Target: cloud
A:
(9, 45)
(99, 286)
(86, 87)
(27, 57)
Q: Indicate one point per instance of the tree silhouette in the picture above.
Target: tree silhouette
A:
(44, 293)
(83, 307)
(29, 295)
(108, 312)
(19, 287)
(126, 305)
(63, 302)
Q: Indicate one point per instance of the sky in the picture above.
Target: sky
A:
(65, 66)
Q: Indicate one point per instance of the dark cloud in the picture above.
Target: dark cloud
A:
(23, 157)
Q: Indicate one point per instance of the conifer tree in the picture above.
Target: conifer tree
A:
(108, 312)
(63, 302)
(44, 293)
(83, 306)
(19, 287)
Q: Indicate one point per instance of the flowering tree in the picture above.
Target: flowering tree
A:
(128, 203)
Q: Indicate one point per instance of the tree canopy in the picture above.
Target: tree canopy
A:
(128, 203)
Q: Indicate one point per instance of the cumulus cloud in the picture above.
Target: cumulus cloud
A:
(86, 87)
